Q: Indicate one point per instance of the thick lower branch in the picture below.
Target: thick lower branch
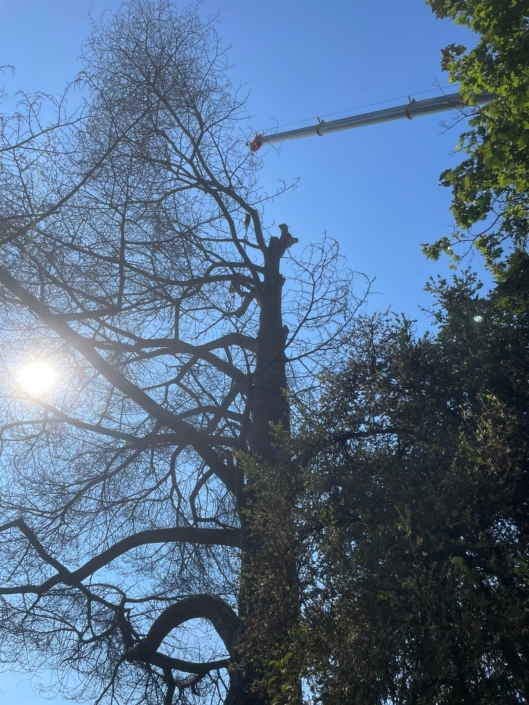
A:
(208, 537)
(202, 606)
(168, 662)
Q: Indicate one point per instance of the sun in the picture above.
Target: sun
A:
(36, 377)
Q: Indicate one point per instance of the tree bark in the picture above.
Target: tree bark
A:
(260, 609)
(270, 406)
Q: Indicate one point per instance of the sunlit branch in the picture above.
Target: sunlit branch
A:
(118, 379)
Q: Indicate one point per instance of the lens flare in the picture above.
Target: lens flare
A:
(37, 377)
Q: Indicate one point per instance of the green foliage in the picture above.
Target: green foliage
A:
(418, 478)
(283, 687)
(491, 185)
(270, 604)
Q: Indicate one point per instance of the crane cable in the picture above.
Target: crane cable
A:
(360, 107)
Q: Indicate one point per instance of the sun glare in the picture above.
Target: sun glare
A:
(37, 377)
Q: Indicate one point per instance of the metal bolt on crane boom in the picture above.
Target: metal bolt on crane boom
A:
(453, 101)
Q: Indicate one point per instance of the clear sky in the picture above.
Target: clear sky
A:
(375, 190)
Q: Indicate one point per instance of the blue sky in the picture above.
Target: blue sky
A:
(374, 190)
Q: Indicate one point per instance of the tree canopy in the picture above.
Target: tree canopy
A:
(420, 507)
(490, 186)
(413, 520)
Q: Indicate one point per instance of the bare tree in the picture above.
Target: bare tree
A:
(135, 263)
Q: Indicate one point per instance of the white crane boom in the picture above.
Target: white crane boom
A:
(453, 101)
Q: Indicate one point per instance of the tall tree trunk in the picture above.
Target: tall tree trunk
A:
(270, 404)
(269, 603)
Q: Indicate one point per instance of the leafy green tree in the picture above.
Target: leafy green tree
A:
(490, 187)
(419, 473)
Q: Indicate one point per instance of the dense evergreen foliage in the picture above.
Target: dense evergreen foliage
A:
(420, 479)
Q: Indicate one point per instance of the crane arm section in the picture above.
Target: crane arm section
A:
(453, 101)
